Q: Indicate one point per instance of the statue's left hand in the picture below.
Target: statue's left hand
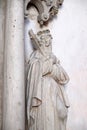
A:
(54, 59)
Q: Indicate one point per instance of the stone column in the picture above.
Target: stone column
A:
(14, 93)
(2, 19)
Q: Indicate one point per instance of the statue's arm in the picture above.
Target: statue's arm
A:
(59, 74)
(48, 64)
(64, 78)
(47, 67)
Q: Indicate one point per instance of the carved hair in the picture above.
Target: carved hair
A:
(43, 32)
(40, 34)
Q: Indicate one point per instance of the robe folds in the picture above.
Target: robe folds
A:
(47, 103)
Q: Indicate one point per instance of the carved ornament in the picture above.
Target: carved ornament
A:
(47, 9)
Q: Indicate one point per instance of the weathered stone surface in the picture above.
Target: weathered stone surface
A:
(69, 31)
(14, 88)
(47, 102)
(2, 21)
(47, 9)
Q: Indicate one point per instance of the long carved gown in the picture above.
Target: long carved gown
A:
(47, 101)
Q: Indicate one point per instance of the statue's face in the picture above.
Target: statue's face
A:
(46, 43)
(46, 40)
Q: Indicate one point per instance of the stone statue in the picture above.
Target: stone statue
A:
(47, 102)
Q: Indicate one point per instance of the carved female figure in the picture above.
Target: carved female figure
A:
(47, 101)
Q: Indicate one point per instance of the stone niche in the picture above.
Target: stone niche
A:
(69, 31)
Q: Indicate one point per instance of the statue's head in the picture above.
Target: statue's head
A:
(44, 37)
(42, 41)
(45, 41)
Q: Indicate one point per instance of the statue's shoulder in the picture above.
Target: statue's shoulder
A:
(35, 57)
(34, 60)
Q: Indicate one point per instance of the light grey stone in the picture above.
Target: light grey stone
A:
(47, 9)
(14, 88)
(47, 102)
(2, 21)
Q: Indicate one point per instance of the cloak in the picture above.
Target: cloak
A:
(34, 87)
